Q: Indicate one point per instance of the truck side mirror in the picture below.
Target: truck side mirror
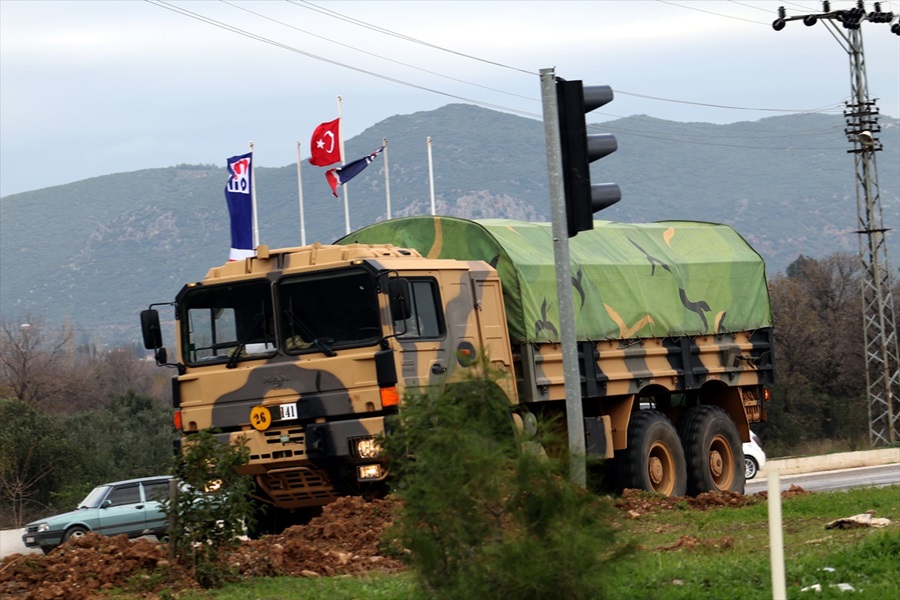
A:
(151, 329)
(401, 298)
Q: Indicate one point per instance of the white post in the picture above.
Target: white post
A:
(431, 175)
(776, 540)
(344, 186)
(387, 179)
(253, 197)
(300, 195)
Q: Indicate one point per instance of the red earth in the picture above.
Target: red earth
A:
(344, 540)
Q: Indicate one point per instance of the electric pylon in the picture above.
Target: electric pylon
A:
(879, 324)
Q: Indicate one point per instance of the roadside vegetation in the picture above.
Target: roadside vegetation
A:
(684, 552)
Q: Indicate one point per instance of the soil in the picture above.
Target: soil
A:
(346, 539)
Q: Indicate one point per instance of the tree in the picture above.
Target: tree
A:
(33, 360)
(484, 514)
(33, 452)
(212, 507)
(819, 354)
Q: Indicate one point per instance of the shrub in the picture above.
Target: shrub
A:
(484, 515)
(211, 509)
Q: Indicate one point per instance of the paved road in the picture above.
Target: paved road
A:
(842, 479)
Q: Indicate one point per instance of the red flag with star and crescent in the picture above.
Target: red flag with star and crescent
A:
(325, 146)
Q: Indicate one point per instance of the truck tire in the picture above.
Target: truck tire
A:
(712, 447)
(654, 459)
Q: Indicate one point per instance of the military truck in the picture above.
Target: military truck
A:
(302, 353)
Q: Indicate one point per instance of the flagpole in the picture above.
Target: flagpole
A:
(431, 175)
(300, 195)
(253, 197)
(343, 162)
(387, 179)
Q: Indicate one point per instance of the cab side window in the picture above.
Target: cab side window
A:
(425, 320)
(126, 494)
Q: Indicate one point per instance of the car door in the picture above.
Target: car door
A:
(154, 491)
(122, 511)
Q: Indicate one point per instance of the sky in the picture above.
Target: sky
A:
(93, 88)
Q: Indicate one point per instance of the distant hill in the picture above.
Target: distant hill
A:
(98, 251)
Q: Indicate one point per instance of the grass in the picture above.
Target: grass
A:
(687, 553)
(733, 550)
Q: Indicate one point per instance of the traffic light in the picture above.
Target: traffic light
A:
(579, 150)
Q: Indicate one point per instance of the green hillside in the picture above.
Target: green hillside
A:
(98, 251)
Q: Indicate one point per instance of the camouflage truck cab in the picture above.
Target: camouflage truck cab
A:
(301, 353)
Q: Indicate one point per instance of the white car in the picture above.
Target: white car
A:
(754, 457)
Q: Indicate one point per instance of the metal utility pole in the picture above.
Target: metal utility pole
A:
(879, 324)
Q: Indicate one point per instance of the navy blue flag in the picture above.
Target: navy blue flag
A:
(344, 174)
(239, 195)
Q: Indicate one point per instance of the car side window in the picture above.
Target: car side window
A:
(126, 494)
(156, 490)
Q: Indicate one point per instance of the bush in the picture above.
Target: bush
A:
(211, 509)
(484, 518)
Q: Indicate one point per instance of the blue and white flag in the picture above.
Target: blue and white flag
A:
(344, 174)
(239, 195)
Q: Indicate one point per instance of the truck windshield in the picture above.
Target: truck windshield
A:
(227, 322)
(324, 311)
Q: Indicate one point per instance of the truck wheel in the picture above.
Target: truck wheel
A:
(654, 459)
(712, 447)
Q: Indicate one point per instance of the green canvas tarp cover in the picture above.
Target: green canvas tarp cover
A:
(629, 280)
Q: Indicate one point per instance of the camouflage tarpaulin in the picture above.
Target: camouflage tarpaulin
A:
(629, 280)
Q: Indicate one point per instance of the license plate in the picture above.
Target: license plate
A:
(29, 540)
(288, 411)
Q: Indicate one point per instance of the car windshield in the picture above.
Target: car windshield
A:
(94, 499)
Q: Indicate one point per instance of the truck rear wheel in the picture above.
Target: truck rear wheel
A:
(654, 459)
(712, 447)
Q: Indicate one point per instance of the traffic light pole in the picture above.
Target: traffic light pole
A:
(574, 412)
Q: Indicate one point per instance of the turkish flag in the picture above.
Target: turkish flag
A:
(325, 146)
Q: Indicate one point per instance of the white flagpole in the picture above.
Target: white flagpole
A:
(344, 186)
(253, 197)
(300, 195)
(431, 175)
(387, 179)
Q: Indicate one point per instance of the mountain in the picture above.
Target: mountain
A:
(98, 251)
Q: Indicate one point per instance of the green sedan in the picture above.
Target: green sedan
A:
(130, 507)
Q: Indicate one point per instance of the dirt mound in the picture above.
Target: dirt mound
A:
(84, 567)
(638, 502)
(344, 540)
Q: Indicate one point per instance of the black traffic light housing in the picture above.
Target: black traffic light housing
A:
(579, 150)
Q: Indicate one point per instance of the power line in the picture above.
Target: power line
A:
(260, 38)
(401, 36)
(334, 14)
(333, 41)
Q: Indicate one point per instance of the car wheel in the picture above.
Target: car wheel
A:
(750, 467)
(75, 532)
(47, 549)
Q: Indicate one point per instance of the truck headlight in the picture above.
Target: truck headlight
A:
(367, 448)
(369, 472)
